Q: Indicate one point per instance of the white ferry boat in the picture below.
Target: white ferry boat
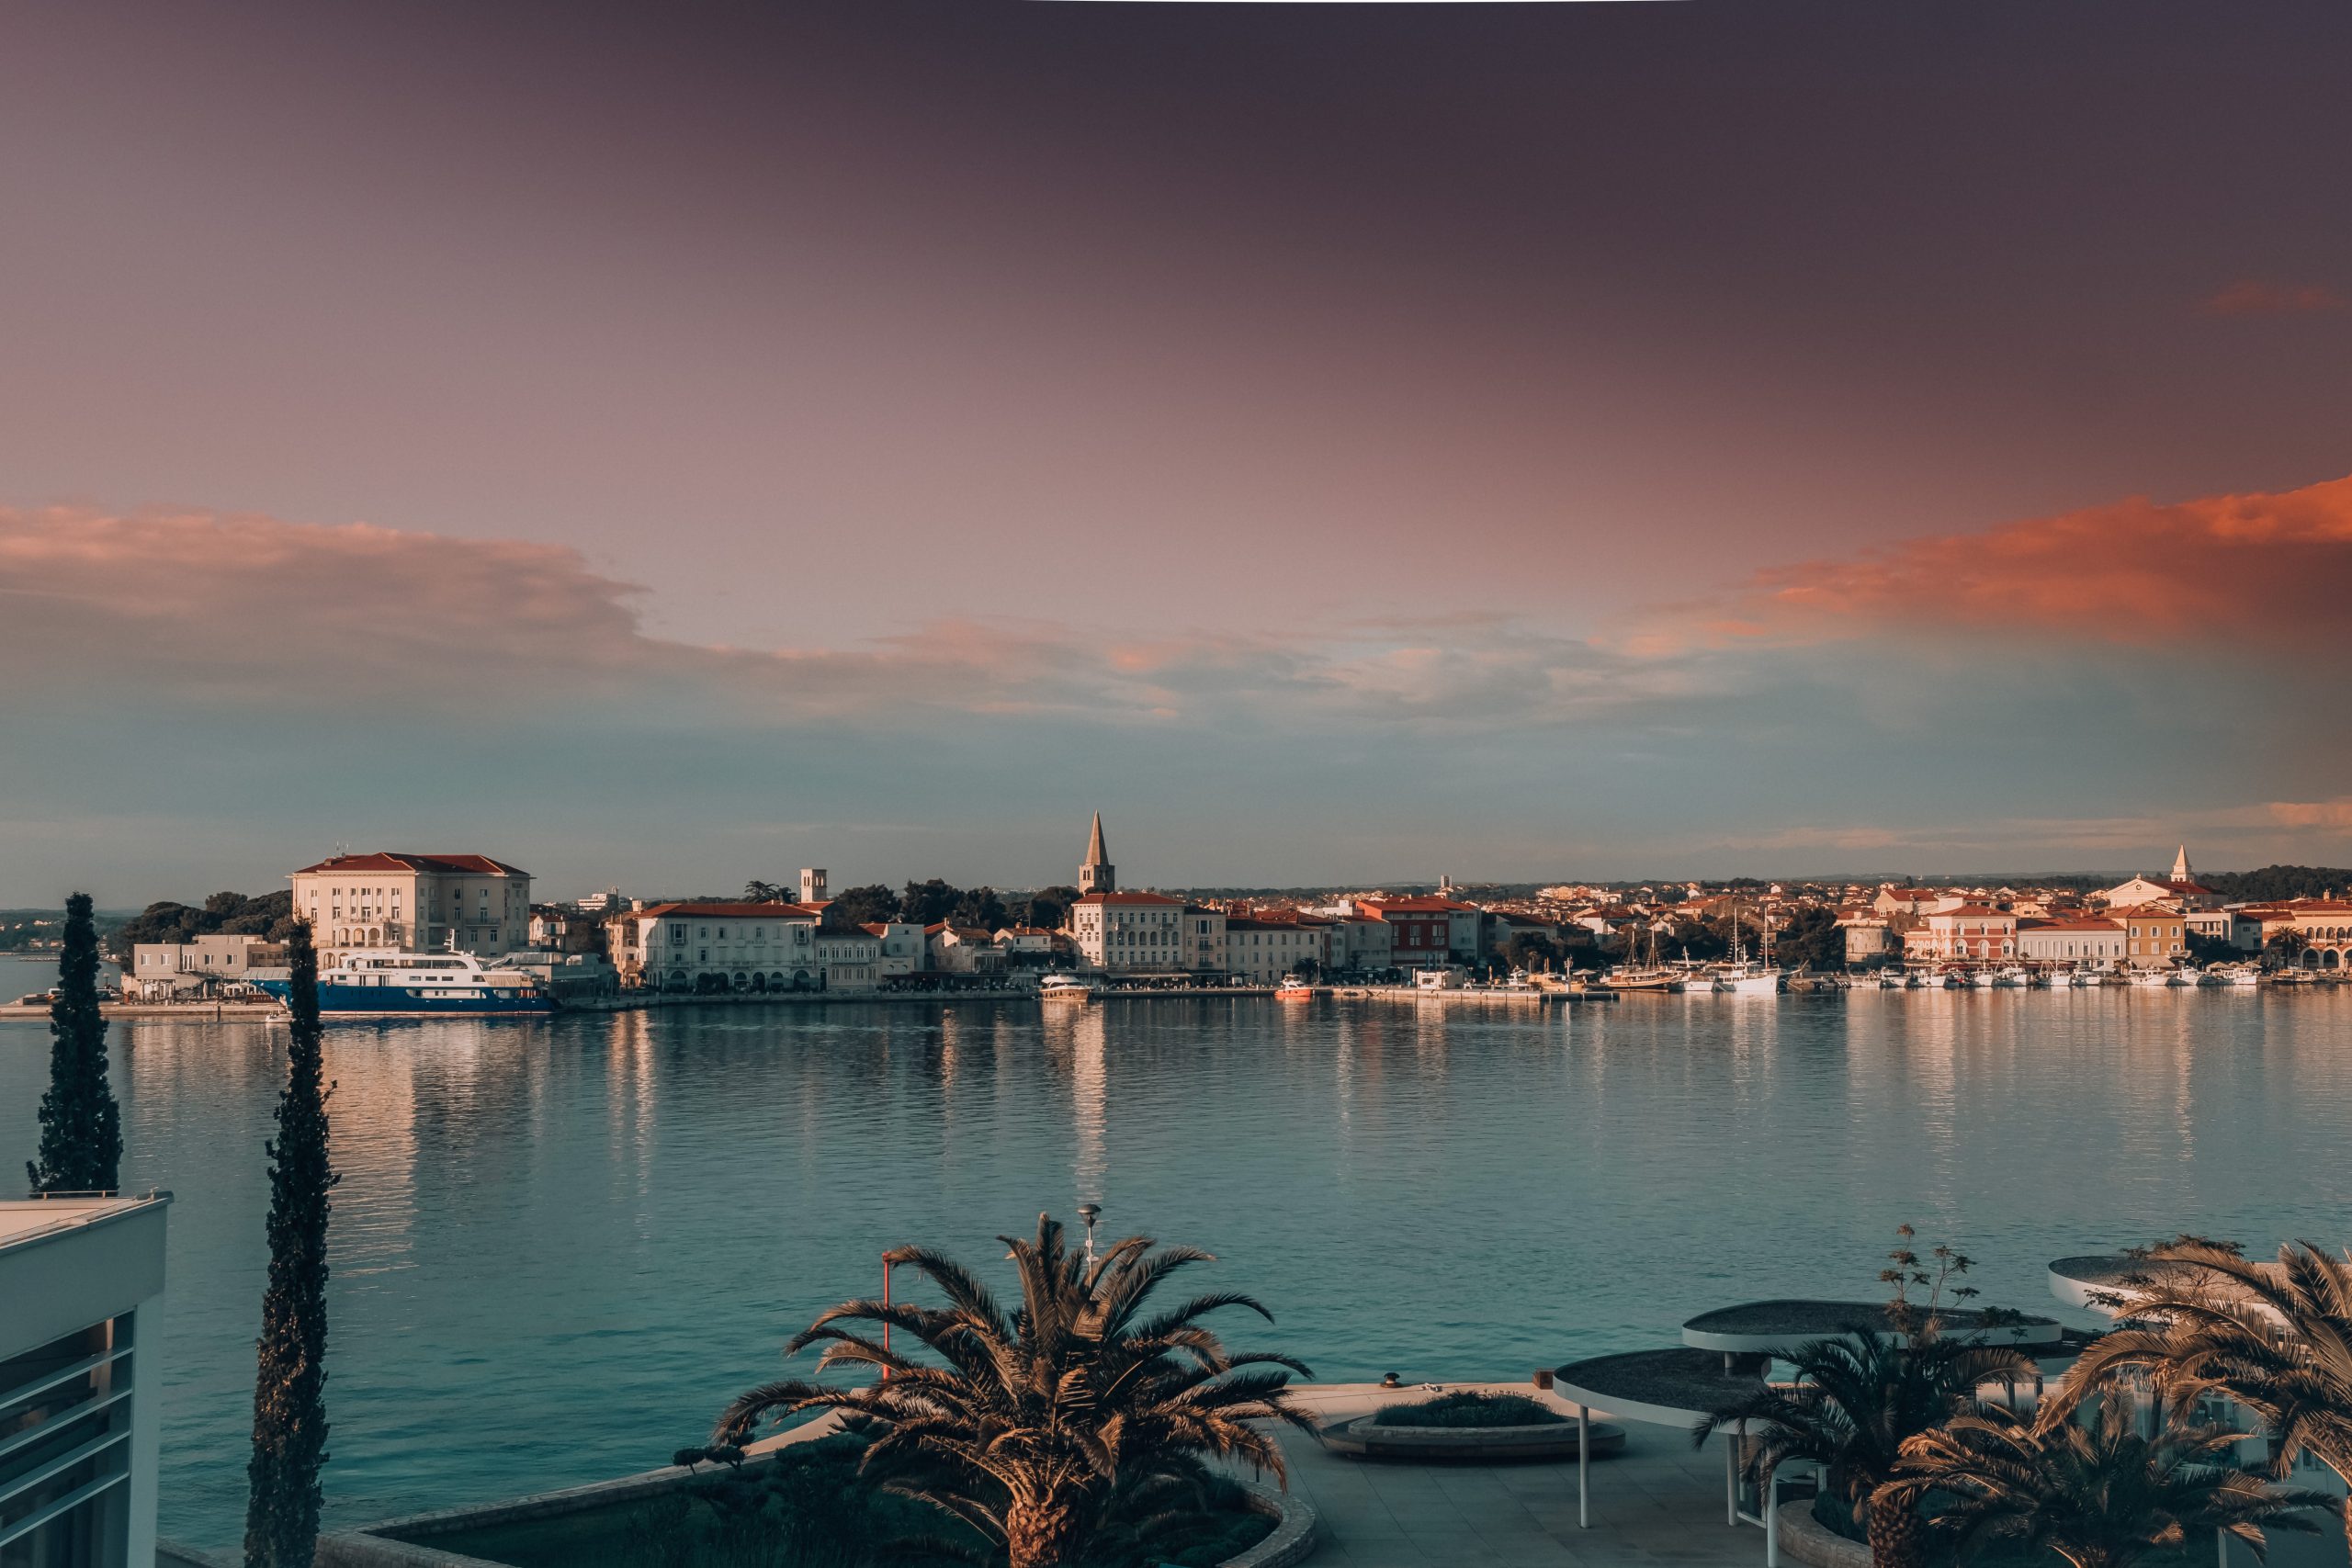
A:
(376, 980)
(1748, 980)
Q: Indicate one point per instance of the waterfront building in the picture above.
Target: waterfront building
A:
(2325, 924)
(721, 947)
(161, 970)
(2179, 888)
(1264, 948)
(1132, 933)
(83, 1280)
(1866, 937)
(848, 959)
(1030, 943)
(2154, 937)
(558, 927)
(900, 948)
(2230, 926)
(1362, 945)
(963, 949)
(1425, 932)
(605, 902)
(2078, 940)
(1201, 950)
(413, 903)
(1972, 933)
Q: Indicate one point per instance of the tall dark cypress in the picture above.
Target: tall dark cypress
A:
(81, 1126)
(289, 1388)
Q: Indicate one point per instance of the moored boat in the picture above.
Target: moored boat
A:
(374, 981)
(1064, 988)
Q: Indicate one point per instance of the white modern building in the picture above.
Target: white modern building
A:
(81, 1286)
(164, 969)
(413, 903)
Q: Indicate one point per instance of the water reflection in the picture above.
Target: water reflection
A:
(560, 1244)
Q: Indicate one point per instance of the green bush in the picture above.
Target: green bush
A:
(1467, 1409)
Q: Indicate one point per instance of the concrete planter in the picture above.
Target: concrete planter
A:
(1805, 1540)
(1292, 1542)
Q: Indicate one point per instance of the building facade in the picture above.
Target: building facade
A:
(160, 970)
(1971, 934)
(2089, 940)
(1131, 932)
(1262, 951)
(81, 1279)
(413, 903)
(2154, 938)
(711, 947)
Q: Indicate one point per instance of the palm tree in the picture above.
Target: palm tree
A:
(1038, 1417)
(2277, 1338)
(2101, 1496)
(1853, 1404)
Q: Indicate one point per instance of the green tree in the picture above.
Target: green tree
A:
(2287, 947)
(928, 903)
(870, 904)
(1029, 1424)
(81, 1126)
(1048, 907)
(1853, 1404)
(980, 907)
(1531, 951)
(1856, 1400)
(758, 892)
(1812, 938)
(2097, 1494)
(2277, 1338)
(289, 1384)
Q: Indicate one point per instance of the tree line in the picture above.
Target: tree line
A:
(930, 902)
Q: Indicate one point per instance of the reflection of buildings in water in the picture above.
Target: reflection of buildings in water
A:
(632, 1097)
(1089, 1097)
(373, 1124)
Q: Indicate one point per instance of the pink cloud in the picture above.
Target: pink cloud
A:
(2256, 297)
(193, 608)
(2267, 570)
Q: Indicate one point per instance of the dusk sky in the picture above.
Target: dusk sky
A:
(667, 444)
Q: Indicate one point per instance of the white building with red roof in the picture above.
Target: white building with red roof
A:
(709, 946)
(415, 903)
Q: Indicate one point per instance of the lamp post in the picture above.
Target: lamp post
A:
(1090, 1213)
(886, 1308)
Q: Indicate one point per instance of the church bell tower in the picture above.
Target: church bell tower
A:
(1097, 875)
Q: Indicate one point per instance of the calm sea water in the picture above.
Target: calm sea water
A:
(559, 1246)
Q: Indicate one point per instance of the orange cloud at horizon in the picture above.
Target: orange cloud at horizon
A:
(2271, 570)
(2258, 297)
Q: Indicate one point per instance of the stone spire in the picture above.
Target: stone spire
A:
(1097, 875)
(2180, 871)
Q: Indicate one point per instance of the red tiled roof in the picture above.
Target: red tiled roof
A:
(389, 860)
(733, 911)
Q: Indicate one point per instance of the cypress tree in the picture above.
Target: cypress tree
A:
(290, 1386)
(81, 1126)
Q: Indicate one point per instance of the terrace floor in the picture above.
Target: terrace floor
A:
(1660, 1501)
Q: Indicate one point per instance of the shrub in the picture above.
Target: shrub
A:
(1469, 1409)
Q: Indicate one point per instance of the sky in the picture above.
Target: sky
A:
(668, 445)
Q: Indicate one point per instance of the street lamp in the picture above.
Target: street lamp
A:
(1090, 1213)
